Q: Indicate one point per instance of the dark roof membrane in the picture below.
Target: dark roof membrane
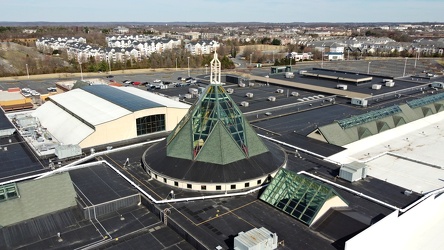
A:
(121, 98)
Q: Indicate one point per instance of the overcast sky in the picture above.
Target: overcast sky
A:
(272, 11)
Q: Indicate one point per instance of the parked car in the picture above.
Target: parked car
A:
(126, 82)
(52, 89)
(109, 76)
(136, 83)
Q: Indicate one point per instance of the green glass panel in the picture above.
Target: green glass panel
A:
(368, 117)
(297, 195)
(426, 100)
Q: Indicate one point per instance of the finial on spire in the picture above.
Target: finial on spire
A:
(215, 70)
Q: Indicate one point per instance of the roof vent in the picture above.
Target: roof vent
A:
(408, 192)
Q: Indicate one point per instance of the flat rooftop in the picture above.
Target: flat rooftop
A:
(18, 160)
(409, 157)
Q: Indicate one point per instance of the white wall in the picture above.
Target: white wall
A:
(419, 228)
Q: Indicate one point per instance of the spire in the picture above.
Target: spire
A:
(215, 70)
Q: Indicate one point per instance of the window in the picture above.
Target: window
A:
(203, 187)
(150, 124)
(218, 187)
(247, 184)
(259, 182)
(233, 186)
(8, 191)
(176, 183)
(189, 186)
(165, 180)
(155, 176)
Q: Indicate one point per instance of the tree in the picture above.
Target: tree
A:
(226, 63)
(276, 41)
(265, 40)
(221, 50)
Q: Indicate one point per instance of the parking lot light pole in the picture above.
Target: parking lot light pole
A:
(188, 66)
(176, 63)
(81, 73)
(322, 63)
(368, 68)
(405, 66)
(417, 56)
(206, 69)
(290, 58)
(27, 70)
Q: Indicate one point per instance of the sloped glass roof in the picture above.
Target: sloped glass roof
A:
(217, 106)
(425, 100)
(214, 130)
(213, 116)
(297, 195)
(368, 117)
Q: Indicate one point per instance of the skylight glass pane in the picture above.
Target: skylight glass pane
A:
(296, 195)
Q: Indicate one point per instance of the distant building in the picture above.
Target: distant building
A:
(29, 31)
(203, 47)
(121, 30)
(301, 56)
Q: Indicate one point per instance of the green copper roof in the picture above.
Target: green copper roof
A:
(214, 130)
(297, 195)
(34, 198)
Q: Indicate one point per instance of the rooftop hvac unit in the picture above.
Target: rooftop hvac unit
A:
(249, 95)
(175, 98)
(230, 91)
(245, 104)
(341, 86)
(272, 98)
(376, 86)
(280, 91)
(294, 93)
(256, 238)
(242, 85)
(390, 84)
(301, 100)
(359, 101)
(188, 96)
(251, 84)
(353, 171)
(305, 99)
(438, 85)
(67, 151)
(193, 91)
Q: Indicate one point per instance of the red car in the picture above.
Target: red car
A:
(136, 83)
